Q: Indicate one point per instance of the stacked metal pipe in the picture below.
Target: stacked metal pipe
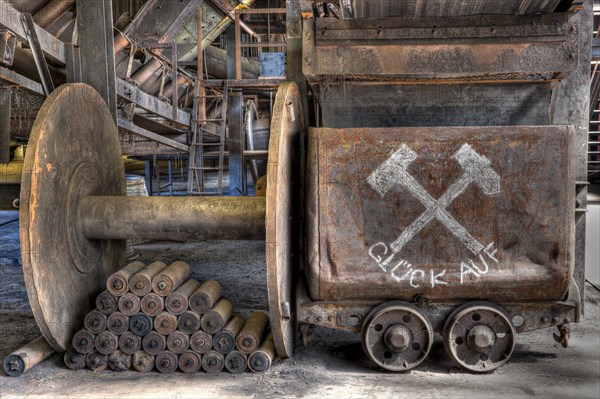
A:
(155, 316)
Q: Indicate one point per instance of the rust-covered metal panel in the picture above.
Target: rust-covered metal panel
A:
(479, 49)
(442, 8)
(451, 213)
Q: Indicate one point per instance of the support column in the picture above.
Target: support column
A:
(237, 143)
(96, 46)
(5, 105)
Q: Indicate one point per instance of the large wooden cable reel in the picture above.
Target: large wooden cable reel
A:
(285, 200)
(73, 152)
(73, 201)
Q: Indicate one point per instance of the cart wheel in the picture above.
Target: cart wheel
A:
(479, 336)
(397, 336)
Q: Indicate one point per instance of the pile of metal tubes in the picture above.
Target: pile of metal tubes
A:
(155, 316)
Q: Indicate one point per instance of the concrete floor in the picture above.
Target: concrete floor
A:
(333, 364)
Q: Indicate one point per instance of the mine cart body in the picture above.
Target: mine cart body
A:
(442, 178)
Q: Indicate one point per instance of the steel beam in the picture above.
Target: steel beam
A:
(38, 54)
(95, 32)
(237, 166)
(5, 106)
(130, 127)
(50, 45)
(132, 93)
(467, 49)
(73, 63)
(160, 20)
(12, 77)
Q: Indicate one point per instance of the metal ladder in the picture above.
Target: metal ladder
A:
(196, 175)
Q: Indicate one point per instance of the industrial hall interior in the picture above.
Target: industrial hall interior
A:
(300, 199)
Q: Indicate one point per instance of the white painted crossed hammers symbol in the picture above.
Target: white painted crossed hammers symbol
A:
(475, 169)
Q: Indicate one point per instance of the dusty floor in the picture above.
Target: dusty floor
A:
(333, 365)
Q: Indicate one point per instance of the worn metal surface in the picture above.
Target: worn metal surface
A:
(442, 8)
(130, 93)
(9, 76)
(350, 315)
(118, 283)
(285, 197)
(8, 41)
(479, 336)
(572, 108)
(165, 282)
(449, 213)
(252, 333)
(96, 47)
(257, 138)
(160, 20)
(260, 360)
(155, 137)
(365, 105)
(173, 218)
(38, 55)
(27, 357)
(53, 48)
(397, 336)
(237, 145)
(129, 304)
(189, 362)
(5, 108)
(51, 12)
(533, 48)
(58, 262)
(178, 301)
